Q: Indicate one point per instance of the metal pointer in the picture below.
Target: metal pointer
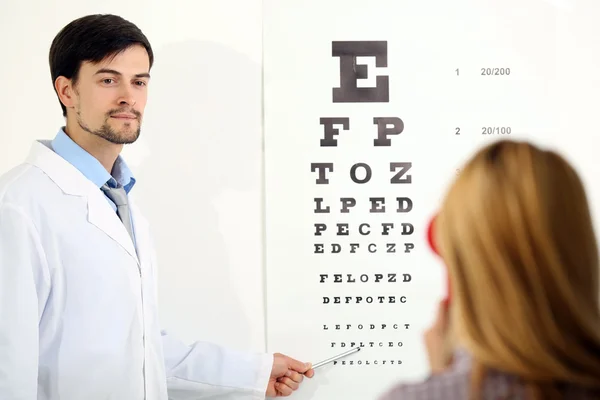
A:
(344, 354)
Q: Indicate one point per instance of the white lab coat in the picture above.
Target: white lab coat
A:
(78, 311)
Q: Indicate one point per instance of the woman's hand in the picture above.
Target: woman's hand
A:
(438, 341)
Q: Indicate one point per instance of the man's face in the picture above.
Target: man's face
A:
(111, 96)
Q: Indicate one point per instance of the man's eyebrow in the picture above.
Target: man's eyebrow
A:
(114, 72)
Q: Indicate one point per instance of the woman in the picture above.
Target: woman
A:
(516, 234)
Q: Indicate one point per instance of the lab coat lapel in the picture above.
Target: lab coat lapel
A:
(73, 183)
(106, 219)
(142, 232)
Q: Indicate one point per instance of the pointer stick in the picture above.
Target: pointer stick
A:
(321, 363)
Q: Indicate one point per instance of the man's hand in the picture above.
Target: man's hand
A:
(286, 375)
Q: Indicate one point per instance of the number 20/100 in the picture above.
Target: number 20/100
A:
(490, 130)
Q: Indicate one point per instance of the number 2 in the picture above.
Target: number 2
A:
(457, 131)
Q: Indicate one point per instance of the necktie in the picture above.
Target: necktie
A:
(119, 197)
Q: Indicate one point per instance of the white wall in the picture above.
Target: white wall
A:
(201, 135)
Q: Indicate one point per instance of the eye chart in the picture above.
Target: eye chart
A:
(370, 110)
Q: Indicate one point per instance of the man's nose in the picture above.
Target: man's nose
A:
(127, 97)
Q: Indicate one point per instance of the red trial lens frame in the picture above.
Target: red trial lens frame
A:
(434, 248)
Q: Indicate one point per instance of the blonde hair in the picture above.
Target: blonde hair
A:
(516, 234)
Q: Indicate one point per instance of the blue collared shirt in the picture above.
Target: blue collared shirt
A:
(91, 168)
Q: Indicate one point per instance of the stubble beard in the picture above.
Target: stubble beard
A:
(108, 133)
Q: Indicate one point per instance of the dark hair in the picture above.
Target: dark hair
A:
(92, 38)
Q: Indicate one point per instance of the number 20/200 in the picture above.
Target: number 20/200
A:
(494, 130)
(495, 71)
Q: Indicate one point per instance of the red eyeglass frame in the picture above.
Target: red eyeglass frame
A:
(434, 248)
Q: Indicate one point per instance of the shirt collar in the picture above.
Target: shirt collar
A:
(89, 166)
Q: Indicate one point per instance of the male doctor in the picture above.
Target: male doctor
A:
(78, 311)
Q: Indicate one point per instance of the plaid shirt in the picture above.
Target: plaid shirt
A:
(455, 385)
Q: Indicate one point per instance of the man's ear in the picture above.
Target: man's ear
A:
(66, 91)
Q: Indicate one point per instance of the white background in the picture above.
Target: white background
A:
(203, 134)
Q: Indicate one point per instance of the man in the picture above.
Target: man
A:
(78, 312)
